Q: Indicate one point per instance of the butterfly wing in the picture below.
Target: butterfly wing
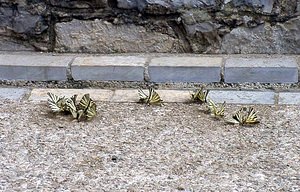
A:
(80, 114)
(87, 108)
(74, 97)
(85, 102)
(56, 103)
(70, 106)
(154, 97)
(143, 96)
(200, 95)
(251, 117)
(220, 112)
(91, 112)
(195, 94)
(203, 96)
(239, 116)
(214, 110)
(212, 107)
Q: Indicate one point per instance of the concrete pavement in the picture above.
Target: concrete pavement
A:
(169, 96)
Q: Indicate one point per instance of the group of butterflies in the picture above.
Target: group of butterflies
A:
(84, 110)
(244, 116)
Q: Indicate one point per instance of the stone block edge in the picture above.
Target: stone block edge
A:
(69, 64)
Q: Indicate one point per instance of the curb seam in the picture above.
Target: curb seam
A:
(69, 70)
(147, 77)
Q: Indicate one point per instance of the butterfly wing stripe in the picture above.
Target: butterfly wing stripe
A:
(205, 94)
(222, 109)
(91, 111)
(84, 102)
(251, 117)
(212, 107)
(142, 94)
(150, 95)
(55, 102)
(239, 116)
(200, 95)
(246, 116)
(80, 114)
(74, 97)
(154, 97)
(70, 106)
(53, 98)
(196, 93)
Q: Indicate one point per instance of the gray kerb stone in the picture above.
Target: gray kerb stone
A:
(185, 69)
(33, 67)
(105, 68)
(264, 70)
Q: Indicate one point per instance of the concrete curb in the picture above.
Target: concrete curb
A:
(169, 96)
(159, 68)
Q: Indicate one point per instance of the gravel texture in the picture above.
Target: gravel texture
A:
(133, 147)
(122, 85)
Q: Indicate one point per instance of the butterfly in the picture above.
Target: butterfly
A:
(143, 96)
(244, 116)
(251, 117)
(56, 103)
(200, 95)
(91, 112)
(152, 99)
(70, 105)
(74, 97)
(215, 110)
(86, 108)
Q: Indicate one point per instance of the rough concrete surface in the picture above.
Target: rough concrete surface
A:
(243, 97)
(33, 67)
(133, 147)
(13, 93)
(105, 68)
(185, 69)
(289, 98)
(264, 70)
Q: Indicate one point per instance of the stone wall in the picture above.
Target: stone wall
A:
(166, 26)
